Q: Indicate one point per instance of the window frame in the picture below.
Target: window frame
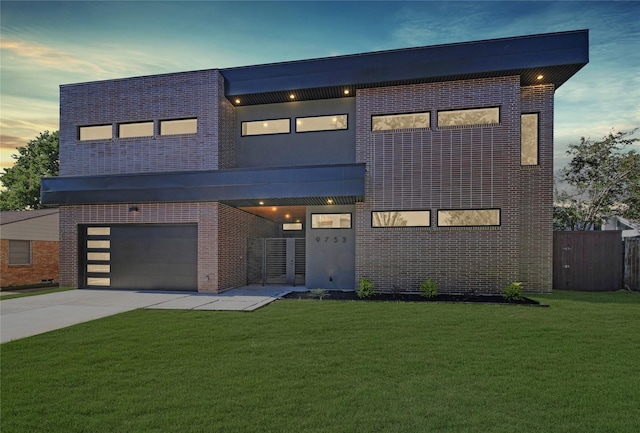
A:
(469, 210)
(537, 117)
(346, 128)
(11, 259)
(333, 228)
(401, 211)
(466, 125)
(243, 122)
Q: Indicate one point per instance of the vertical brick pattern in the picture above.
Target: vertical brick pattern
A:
(44, 264)
(440, 168)
(152, 98)
(536, 192)
(235, 227)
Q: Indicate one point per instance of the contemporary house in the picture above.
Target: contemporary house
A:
(402, 165)
(29, 247)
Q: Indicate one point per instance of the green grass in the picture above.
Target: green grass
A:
(34, 292)
(331, 366)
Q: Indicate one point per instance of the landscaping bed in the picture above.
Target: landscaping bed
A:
(339, 295)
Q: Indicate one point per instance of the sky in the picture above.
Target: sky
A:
(47, 44)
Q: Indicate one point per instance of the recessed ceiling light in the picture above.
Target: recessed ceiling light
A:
(274, 208)
(346, 91)
(287, 216)
(261, 203)
(292, 96)
(540, 77)
(237, 101)
(330, 201)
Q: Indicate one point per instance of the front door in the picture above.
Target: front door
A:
(276, 261)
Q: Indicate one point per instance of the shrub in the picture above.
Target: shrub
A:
(365, 288)
(319, 293)
(428, 289)
(513, 292)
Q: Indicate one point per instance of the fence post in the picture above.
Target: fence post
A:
(632, 263)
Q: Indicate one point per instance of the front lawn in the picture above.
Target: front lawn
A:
(332, 366)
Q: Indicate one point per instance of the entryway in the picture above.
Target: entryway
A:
(276, 261)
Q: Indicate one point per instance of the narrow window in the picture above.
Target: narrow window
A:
(291, 226)
(98, 281)
(400, 121)
(474, 116)
(99, 257)
(180, 126)
(529, 141)
(142, 129)
(98, 244)
(321, 123)
(470, 217)
(420, 218)
(266, 127)
(331, 221)
(19, 252)
(98, 231)
(99, 132)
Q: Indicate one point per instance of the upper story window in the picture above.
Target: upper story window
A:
(401, 121)
(179, 126)
(140, 129)
(266, 127)
(331, 221)
(321, 123)
(98, 132)
(529, 139)
(467, 117)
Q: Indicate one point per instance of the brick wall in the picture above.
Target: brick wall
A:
(222, 234)
(44, 264)
(441, 168)
(152, 98)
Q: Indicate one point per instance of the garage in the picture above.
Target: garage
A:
(142, 257)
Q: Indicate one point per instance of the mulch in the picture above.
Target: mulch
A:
(339, 295)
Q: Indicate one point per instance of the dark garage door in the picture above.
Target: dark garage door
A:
(156, 257)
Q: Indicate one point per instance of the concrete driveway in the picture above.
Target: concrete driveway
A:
(32, 315)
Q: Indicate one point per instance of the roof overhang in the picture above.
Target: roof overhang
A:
(307, 185)
(554, 56)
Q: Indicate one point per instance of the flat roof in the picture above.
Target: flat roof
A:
(554, 56)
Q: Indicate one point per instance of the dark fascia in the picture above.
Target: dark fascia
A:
(245, 186)
(557, 56)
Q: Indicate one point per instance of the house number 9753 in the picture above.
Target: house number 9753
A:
(334, 239)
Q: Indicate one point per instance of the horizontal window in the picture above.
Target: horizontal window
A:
(266, 127)
(19, 252)
(92, 281)
(470, 217)
(99, 268)
(142, 129)
(401, 121)
(331, 221)
(98, 231)
(474, 116)
(181, 126)
(98, 244)
(529, 139)
(100, 132)
(321, 123)
(415, 218)
(99, 257)
(291, 226)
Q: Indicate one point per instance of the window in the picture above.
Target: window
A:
(104, 257)
(291, 226)
(474, 116)
(470, 217)
(529, 139)
(180, 126)
(98, 231)
(98, 281)
(321, 123)
(419, 218)
(98, 244)
(266, 127)
(19, 252)
(141, 129)
(99, 132)
(331, 221)
(401, 121)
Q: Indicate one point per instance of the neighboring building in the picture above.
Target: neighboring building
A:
(401, 165)
(29, 243)
(629, 228)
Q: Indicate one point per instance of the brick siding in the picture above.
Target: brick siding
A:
(44, 264)
(446, 168)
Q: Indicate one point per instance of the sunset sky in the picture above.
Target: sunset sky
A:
(46, 44)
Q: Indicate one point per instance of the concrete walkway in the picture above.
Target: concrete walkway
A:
(32, 315)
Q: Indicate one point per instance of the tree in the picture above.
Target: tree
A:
(603, 180)
(22, 181)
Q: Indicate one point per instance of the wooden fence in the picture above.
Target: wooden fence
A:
(632, 264)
